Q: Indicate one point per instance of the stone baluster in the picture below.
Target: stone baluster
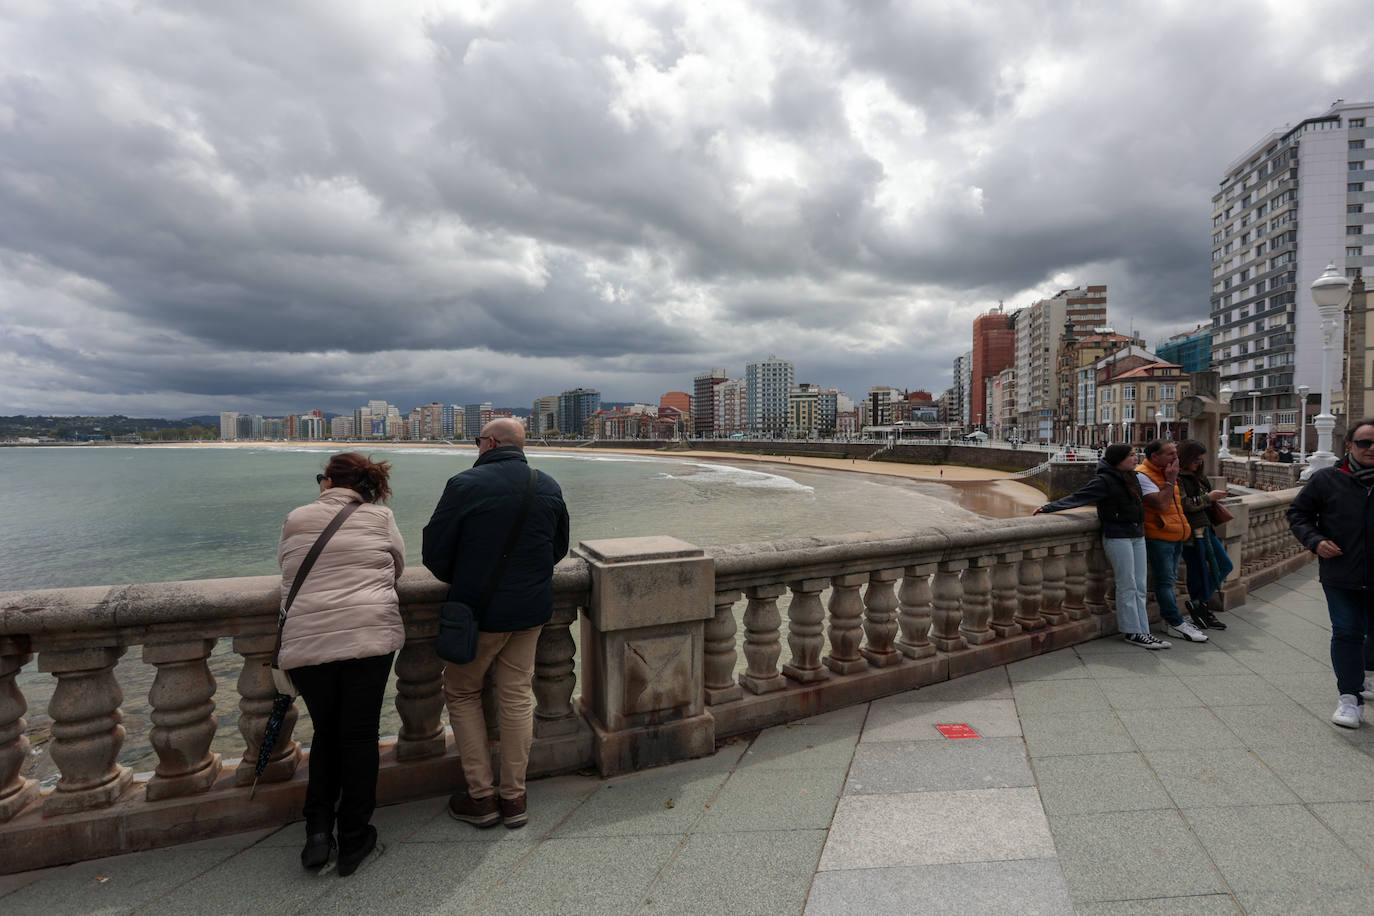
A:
(761, 643)
(1075, 581)
(1052, 586)
(1029, 578)
(1004, 595)
(420, 689)
(913, 611)
(555, 676)
(16, 792)
(183, 715)
(977, 582)
(86, 734)
(880, 618)
(720, 651)
(846, 610)
(946, 606)
(1099, 575)
(806, 631)
(256, 693)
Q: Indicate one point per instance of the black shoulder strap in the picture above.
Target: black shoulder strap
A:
(510, 543)
(315, 550)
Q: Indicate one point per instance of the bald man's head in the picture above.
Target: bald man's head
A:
(505, 431)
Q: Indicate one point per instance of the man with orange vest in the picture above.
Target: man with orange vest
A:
(1166, 528)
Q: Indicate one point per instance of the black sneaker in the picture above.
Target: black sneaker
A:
(350, 859)
(318, 848)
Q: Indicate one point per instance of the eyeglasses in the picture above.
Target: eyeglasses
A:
(478, 440)
(321, 478)
(1363, 443)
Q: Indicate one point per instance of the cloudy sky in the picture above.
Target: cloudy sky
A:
(273, 207)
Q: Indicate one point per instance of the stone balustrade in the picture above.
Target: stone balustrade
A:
(678, 647)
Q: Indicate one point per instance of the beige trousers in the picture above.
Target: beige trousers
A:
(512, 655)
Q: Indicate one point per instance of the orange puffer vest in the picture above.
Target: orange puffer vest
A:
(1172, 523)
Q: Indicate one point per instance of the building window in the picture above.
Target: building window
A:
(1128, 412)
(1166, 392)
(1355, 165)
(1105, 396)
(1354, 208)
(1354, 252)
(1356, 144)
(1355, 187)
(1105, 416)
(1354, 230)
(1128, 392)
(1357, 122)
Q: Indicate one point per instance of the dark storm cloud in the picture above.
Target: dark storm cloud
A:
(216, 206)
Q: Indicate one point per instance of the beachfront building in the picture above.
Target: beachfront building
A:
(228, 425)
(767, 384)
(958, 399)
(476, 416)
(1042, 328)
(994, 349)
(341, 427)
(730, 405)
(704, 387)
(1141, 403)
(574, 407)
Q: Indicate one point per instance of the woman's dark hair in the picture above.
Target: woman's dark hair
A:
(360, 474)
(1190, 450)
(1116, 453)
(1350, 430)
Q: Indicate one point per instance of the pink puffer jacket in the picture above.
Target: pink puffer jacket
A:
(347, 607)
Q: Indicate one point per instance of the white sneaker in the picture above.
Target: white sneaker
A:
(1348, 714)
(1186, 630)
(1368, 690)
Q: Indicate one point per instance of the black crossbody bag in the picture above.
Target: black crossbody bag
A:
(458, 621)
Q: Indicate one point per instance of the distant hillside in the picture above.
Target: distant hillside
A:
(85, 427)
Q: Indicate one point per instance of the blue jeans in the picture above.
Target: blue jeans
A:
(1164, 557)
(1207, 565)
(1352, 620)
(1127, 556)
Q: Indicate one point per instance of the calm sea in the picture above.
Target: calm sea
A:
(98, 515)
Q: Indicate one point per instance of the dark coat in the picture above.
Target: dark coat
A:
(1118, 502)
(1334, 506)
(470, 525)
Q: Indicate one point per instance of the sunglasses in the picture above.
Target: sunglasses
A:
(1363, 443)
(478, 440)
(321, 478)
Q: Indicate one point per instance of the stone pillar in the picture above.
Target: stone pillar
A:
(86, 734)
(977, 584)
(555, 677)
(183, 714)
(256, 692)
(16, 792)
(913, 612)
(806, 631)
(1029, 578)
(1075, 581)
(846, 610)
(721, 651)
(1095, 588)
(880, 618)
(762, 647)
(420, 688)
(642, 642)
(1004, 604)
(1052, 590)
(947, 607)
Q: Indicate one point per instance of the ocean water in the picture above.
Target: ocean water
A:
(96, 515)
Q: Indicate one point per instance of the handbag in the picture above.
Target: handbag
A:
(458, 627)
(282, 679)
(1218, 514)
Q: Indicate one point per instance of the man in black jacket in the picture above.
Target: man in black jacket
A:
(462, 546)
(1333, 515)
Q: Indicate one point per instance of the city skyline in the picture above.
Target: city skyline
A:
(300, 208)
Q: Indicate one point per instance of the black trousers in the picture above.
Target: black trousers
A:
(345, 703)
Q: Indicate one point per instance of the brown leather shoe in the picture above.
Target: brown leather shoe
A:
(513, 812)
(479, 812)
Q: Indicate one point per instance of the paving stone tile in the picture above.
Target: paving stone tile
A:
(1147, 693)
(1106, 644)
(1282, 723)
(924, 766)
(420, 878)
(755, 800)
(668, 800)
(1233, 689)
(1053, 666)
(930, 828)
(1140, 663)
(1353, 822)
(117, 884)
(1279, 853)
(1124, 855)
(1193, 663)
(11, 883)
(1306, 688)
(745, 873)
(989, 684)
(1089, 731)
(1277, 658)
(1210, 777)
(1093, 783)
(1200, 905)
(964, 889)
(1059, 696)
(784, 748)
(849, 716)
(892, 721)
(263, 879)
(1325, 772)
(582, 875)
(1178, 728)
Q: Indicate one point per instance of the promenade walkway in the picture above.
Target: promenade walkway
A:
(1106, 779)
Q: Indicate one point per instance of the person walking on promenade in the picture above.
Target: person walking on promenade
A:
(1332, 516)
(1203, 554)
(463, 543)
(337, 643)
(1116, 491)
(1166, 528)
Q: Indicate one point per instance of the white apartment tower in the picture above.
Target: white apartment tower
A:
(767, 385)
(1040, 330)
(1298, 199)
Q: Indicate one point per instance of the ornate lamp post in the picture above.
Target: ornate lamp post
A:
(1224, 453)
(1330, 292)
(1302, 423)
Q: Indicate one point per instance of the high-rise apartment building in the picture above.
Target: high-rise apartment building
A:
(1191, 350)
(767, 385)
(228, 425)
(880, 401)
(1042, 383)
(959, 399)
(574, 407)
(1297, 199)
(544, 416)
(994, 348)
(730, 405)
(704, 400)
(475, 416)
(432, 420)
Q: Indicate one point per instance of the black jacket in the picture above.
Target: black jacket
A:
(1333, 506)
(1118, 503)
(470, 525)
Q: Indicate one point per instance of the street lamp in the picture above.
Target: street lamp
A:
(1268, 431)
(1302, 422)
(1330, 292)
(1224, 453)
